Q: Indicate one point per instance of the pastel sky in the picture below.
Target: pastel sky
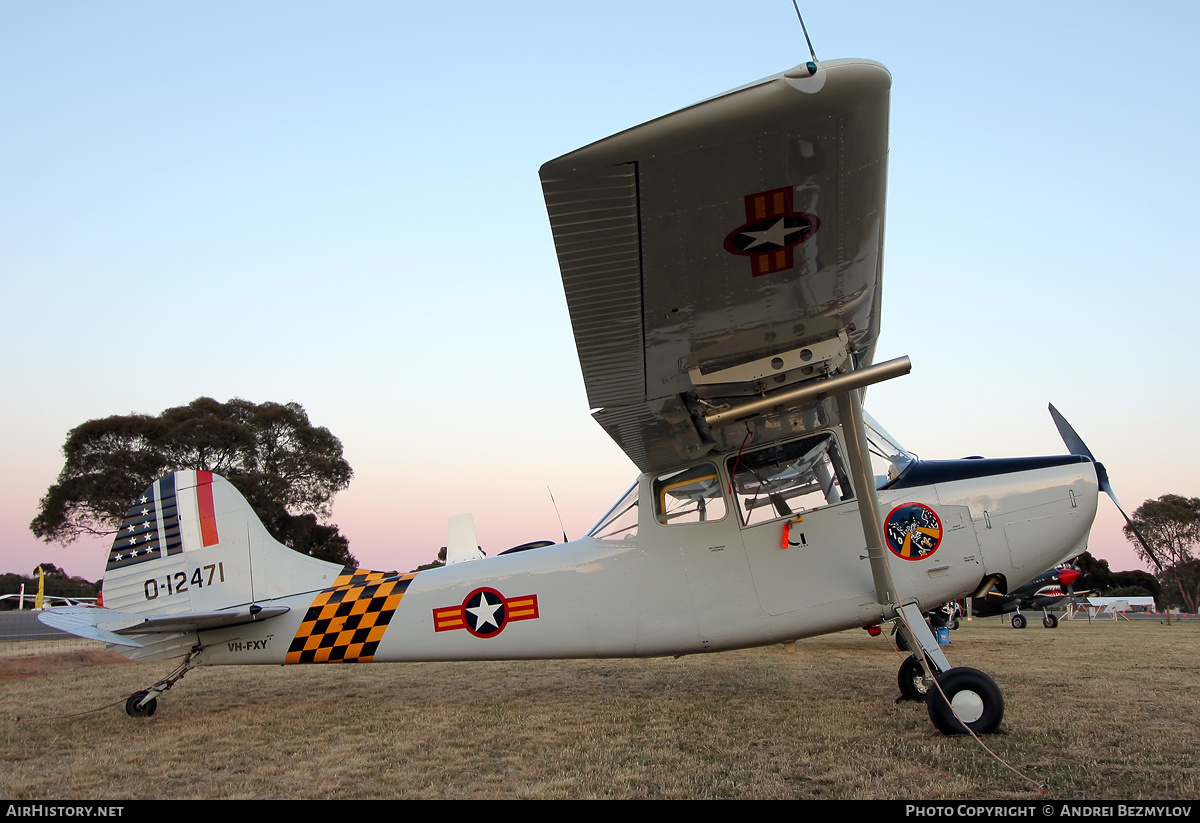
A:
(338, 204)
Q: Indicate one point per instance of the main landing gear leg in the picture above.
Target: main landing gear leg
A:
(145, 703)
(957, 699)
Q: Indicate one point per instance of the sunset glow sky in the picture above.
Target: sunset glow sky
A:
(338, 204)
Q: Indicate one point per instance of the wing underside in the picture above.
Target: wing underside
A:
(724, 252)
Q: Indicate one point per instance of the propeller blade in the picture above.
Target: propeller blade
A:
(1076, 445)
(1074, 442)
(1133, 528)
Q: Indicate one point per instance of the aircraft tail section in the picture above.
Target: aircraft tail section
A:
(191, 544)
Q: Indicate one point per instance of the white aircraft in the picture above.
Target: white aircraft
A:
(722, 266)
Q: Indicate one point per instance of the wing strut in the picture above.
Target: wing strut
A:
(915, 629)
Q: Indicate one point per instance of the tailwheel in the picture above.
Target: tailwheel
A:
(145, 710)
(911, 679)
(138, 706)
(974, 700)
(1050, 621)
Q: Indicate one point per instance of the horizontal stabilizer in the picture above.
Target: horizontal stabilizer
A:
(109, 626)
(82, 621)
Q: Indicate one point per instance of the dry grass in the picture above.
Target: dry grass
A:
(1101, 711)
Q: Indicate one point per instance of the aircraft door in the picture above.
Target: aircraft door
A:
(692, 538)
(800, 527)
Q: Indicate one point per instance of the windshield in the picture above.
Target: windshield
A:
(887, 455)
(621, 521)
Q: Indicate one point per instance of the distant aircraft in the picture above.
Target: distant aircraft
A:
(1045, 590)
(722, 267)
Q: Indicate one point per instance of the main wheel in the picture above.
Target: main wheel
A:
(1018, 621)
(1050, 621)
(953, 624)
(974, 697)
(133, 710)
(911, 680)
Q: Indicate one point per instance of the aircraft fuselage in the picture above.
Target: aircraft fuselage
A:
(672, 588)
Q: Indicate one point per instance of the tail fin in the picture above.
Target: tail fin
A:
(191, 543)
(461, 543)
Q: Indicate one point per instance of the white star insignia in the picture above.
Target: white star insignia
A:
(776, 235)
(485, 612)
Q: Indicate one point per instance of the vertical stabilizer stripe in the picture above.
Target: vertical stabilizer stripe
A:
(204, 501)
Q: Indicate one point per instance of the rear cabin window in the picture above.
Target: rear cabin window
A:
(690, 496)
(783, 480)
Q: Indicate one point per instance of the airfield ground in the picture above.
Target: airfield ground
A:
(1098, 711)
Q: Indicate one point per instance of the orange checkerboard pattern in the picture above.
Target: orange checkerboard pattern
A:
(346, 622)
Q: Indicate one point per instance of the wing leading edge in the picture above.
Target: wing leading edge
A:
(726, 251)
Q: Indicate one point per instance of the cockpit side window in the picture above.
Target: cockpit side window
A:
(784, 479)
(690, 496)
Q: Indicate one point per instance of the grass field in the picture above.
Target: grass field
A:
(1097, 711)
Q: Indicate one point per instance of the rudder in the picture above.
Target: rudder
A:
(191, 543)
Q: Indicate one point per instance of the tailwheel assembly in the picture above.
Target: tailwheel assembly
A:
(135, 707)
(145, 702)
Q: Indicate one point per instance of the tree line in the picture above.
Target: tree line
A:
(287, 469)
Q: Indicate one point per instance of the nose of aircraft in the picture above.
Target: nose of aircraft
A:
(1068, 577)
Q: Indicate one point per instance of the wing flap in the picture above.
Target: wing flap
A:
(594, 218)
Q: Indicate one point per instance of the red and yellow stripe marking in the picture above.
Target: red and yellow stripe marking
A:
(450, 618)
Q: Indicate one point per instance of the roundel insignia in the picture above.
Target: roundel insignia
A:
(771, 231)
(485, 612)
(913, 531)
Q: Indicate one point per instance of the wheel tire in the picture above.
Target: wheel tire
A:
(1050, 621)
(975, 697)
(132, 709)
(953, 624)
(901, 643)
(910, 679)
(1018, 621)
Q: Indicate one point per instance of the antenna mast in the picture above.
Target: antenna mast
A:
(804, 29)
